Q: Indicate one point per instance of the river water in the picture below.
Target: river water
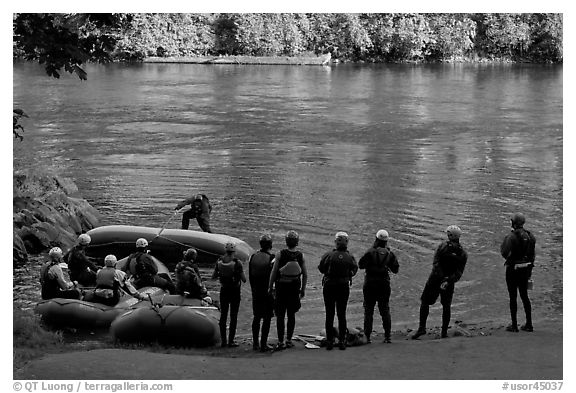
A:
(408, 148)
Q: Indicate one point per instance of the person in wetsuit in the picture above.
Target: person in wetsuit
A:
(142, 269)
(378, 261)
(518, 248)
(230, 272)
(259, 270)
(288, 283)
(82, 268)
(200, 208)
(448, 266)
(109, 284)
(188, 280)
(338, 267)
(52, 279)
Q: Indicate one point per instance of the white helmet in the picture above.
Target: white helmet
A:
(141, 243)
(55, 253)
(382, 234)
(341, 238)
(84, 239)
(110, 260)
(454, 230)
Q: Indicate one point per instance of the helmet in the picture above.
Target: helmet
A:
(190, 254)
(84, 239)
(229, 247)
(454, 230)
(198, 196)
(382, 234)
(341, 238)
(110, 260)
(55, 253)
(141, 243)
(518, 219)
(292, 238)
(292, 235)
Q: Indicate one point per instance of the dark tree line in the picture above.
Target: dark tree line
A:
(66, 41)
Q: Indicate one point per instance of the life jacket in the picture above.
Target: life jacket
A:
(522, 247)
(49, 284)
(106, 278)
(141, 266)
(339, 266)
(290, 266)
(187, 280)
(451, 257)
(378, 266)
(260, 266)
(228, 272)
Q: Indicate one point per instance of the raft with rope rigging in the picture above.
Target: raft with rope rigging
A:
(74, 313)
(173, 320)
(167, 245)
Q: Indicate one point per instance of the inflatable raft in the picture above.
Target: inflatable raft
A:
(165, 244)
(75, 313)
(176, 321)
(83, 314)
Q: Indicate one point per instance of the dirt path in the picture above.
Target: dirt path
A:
(495, 355)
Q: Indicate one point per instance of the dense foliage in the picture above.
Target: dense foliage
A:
(69, 40)
(348, 37)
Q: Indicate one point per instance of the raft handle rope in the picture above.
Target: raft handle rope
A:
(165, 238)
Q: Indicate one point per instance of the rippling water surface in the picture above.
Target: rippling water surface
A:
(408, 148)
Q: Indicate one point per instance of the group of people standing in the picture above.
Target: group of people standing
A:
(278, 283)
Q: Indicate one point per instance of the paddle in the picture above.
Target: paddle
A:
(164, 226)
(307, 344)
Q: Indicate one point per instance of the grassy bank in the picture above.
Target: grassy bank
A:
(31, 339)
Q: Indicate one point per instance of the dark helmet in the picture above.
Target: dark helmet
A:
(518, 220)
(292, 238)
(190, 254)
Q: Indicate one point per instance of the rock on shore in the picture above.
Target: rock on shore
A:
(48, 211)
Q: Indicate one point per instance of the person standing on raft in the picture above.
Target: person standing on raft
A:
(141, 267)
(52, 279)
(288, 280)
(448, 266)
(230, 272)
(518, 248)
(259, 270)
(200, 209)
(338, 267)
(378, 261)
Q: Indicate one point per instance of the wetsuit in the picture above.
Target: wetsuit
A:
(188, 280)
(338, 267)
(54, 284)
(199, 209)
(229, 271)
(448, 266)
(142, 267)
(259, 269)
(518, 248)
(82, 268)
(287, 295)
(377, 262)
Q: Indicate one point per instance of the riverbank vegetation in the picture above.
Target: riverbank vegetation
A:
(68, 40)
